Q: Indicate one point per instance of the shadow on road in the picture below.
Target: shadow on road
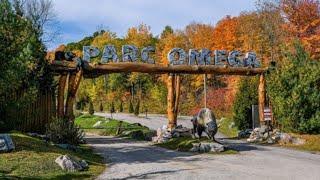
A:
(239, 145)
(119, 150)
(145, 175)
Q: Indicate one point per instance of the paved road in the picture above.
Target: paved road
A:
(153, 121)
(140, 160)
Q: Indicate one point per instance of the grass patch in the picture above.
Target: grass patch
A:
(108, 127)
(34, 159)
(184, 144)
(225, 130)
(312, 143)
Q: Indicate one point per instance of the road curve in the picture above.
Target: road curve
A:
(126, 159)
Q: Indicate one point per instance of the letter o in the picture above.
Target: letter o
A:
(172, 59)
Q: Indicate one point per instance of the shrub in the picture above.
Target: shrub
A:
(62, 131)
(246, 96)
(91, 108)
(294, 90)
(137, 109)
(131, 110)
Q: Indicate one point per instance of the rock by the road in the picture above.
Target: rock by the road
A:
(97, 124)
(164, 135)
(6, 143)
(207, 147)
(69, 164)
(244, 134)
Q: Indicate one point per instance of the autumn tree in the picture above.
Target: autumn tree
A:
(225, 34)
(140, 36)
(303, 22)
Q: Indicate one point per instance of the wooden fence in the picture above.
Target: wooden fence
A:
(30, 116)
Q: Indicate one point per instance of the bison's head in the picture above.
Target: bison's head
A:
(194, 120)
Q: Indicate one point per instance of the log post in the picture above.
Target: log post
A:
(61, 89)
(170, 102)
(74, 82)
(177, 97)
(173, 98)
(262, 97)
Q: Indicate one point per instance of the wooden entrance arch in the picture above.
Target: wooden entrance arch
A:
(72, 72)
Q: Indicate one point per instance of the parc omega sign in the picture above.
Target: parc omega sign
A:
(176, 56)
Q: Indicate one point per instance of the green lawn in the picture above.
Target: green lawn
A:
(185, 144)
(312, 143)
(110, 126)
(225, 130)
(34, 159)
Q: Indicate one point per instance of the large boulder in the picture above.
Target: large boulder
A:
(69, 164)
(164, 135)
(6, 143)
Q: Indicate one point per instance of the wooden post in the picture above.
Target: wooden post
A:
(177, 97)
(61, 89)
(173, 98)
(262, 98)
(74, 82)
(205, 89)
(170, 102)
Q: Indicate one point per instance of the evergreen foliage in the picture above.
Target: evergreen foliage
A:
(294, 90)
(246, 96)
(62, 131)
(112, 109)
(121, 107)
(131, 109)
(137, 109)
(22, 57)
(101, 107)
(91, 108)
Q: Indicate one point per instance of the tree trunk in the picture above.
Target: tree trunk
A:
(61, 89)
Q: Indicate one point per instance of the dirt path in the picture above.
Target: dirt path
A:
(140, 160)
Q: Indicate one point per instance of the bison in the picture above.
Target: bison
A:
(205, 121)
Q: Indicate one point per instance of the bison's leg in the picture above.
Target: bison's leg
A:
(199, 131)
(194, 130)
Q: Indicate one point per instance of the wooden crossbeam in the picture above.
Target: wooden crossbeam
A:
(100, 69)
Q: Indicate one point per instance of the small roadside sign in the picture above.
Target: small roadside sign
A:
(267, 114)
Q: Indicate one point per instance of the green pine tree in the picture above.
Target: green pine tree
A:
(137, 109)
(91, 108)
(112, 109)
(121, 107)
(131, 110)
(101, 107)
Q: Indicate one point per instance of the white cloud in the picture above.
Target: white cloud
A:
(119, 15)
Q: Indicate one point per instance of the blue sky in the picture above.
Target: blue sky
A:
(80, 18)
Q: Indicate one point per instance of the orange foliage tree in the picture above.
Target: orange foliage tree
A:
(303, 22)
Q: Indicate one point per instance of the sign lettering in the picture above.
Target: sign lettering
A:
(176, 56)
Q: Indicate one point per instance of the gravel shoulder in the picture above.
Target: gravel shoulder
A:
(127, 159)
